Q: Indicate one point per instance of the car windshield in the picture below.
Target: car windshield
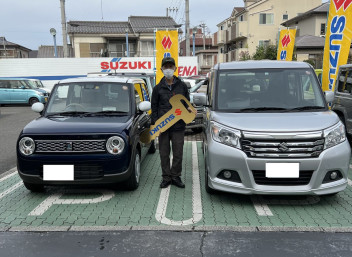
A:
(196, 87)
(268, 90)
(89, 98)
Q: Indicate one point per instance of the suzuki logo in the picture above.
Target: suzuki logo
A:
(166, 42)
(178, 112)
(339, 3)
(69, 146)
(286, 40)
(283, 147)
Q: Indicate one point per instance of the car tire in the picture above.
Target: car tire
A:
(33, 100)
(152, 148)
(133, 181)
(34, 187)
(208, 189)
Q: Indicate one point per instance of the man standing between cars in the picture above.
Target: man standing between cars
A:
(169, 86)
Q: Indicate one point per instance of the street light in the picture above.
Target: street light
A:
(53, 32)
(194, 30)
(127, 51)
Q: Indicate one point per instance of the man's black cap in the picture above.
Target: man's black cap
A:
(168, 60)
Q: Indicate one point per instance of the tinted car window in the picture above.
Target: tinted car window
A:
(276, 88)
(345, 81)
(90, 97)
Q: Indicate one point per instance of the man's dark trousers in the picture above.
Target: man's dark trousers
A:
(176, 138)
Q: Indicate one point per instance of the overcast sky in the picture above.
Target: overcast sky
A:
(27, 22)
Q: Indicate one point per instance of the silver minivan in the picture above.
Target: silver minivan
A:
(268, 130)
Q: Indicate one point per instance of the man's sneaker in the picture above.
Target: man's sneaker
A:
(178, 182)
(165, 183)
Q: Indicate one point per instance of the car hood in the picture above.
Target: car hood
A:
(71, 125)
(40, 90)
(277, 122)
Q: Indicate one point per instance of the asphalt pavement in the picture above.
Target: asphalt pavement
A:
(12, 121)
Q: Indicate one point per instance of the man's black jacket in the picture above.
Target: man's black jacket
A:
(161, 96)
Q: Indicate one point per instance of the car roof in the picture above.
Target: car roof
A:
(13, 78)
(267, 64)
(346, 66)
(119, 79)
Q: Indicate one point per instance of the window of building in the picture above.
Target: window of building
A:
(240, 44)
(285, 17)
(322, 29)
(97, 49)
(264, 43)
(207, 60)
(221, 50)
(266, 18)
(147, 48)
(241, 18)
(118, 49)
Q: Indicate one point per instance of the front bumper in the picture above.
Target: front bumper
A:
(88, 169)
(221, 157)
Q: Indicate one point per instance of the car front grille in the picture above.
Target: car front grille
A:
(281, 146)
(261, 179)
(66, 146)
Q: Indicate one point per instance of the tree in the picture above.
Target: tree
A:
(244, 56)
(268, 52)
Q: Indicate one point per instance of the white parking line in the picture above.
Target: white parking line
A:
(8, 176)
(56, 199)
(14, 187)
(349, 182)
(261, 208)
(196, 197)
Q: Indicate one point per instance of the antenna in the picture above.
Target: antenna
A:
(101, 8)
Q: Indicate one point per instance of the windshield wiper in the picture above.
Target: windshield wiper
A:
(66, 114)
(107, 113)
(303, 108)
(263, 109)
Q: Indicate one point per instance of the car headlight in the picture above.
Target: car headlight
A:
(334, 135)
(26, 146)
(115, 145)
(225, 135)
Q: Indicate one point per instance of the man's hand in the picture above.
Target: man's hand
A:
(190, 110)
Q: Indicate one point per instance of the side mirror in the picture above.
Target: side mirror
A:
(144, 106)
(38, 107)
(329, 96)
(200, 99)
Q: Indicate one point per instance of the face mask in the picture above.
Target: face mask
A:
(168, 73)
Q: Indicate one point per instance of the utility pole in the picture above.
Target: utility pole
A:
(202, 25)
(4, 42)
(188, 45)
(64, 32)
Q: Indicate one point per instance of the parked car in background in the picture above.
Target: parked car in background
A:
(38, 84)
(193, 80)
(197, 124)
(266, 132)
(342, 103)
(319, 73)
(88, 133)
(149, 78)
(19, 91)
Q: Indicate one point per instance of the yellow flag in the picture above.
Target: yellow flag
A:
(166, 46)
(286, 44)
(337, 40)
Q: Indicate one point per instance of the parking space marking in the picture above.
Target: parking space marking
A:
(13, 188)
(56, 199)
(7, 176)
(160, 214)
(349, 182)
(261, 208)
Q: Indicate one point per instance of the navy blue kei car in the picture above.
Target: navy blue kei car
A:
(88, 133)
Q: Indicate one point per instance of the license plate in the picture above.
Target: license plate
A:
(282, 170)
(58, 172)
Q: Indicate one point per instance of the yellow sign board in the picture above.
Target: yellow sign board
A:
(166, 46)
(286, 44)
(337, 41)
